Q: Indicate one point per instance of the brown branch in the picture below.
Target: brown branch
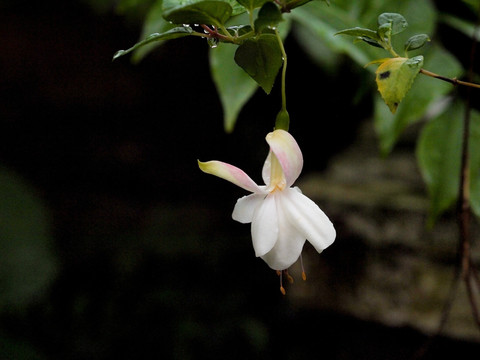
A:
(453, 81)
(468, 270)
(214, 33)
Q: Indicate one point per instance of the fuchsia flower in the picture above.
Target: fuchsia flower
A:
(282, 217)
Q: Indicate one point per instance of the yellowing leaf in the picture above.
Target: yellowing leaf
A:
(395, 77)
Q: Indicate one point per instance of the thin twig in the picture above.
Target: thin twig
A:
(453, 81)
(468, 270)
(214, 33)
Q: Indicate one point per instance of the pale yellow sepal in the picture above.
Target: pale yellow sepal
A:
(230, 173)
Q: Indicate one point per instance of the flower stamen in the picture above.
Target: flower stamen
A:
(280, 273)
(304, 276)
(282, 289)
(289, 277)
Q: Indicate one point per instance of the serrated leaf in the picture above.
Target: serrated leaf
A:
(416, 42)
(360, 32)
(439, 158)
(261, 58)
(234, 86)
(170, 34)
(397, 21)
(209, 12)
(268, 17)
(395, 77)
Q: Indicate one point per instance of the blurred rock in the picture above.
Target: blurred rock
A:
(386, 266)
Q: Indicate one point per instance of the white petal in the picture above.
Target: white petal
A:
(230, 173)
(245, 208)
(307, 218)
(289, 246)
(288, 154)
(267, 168)
(265, 226)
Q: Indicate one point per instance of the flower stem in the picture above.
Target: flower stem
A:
(215, 34)
(283, 119)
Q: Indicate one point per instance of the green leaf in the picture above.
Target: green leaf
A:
(170, 34)
(316, 25)
(261, 58)
(360, 32)
(209, 12)
(439, 158)
(154, 23)
(252, 4)
(385, 33)
(424, 94)
(27, 263)
(268, 17)
(234, 86)
(416, 42)
(371, 42)
(397, 21)
(395, 77)
(236, 6)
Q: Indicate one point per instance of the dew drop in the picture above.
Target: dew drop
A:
(212, 42)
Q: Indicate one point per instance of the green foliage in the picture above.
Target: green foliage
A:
(209, 12)
(425, 93)
(27, 264)
(258, 52)
(439, 157)
(415, 42)
(250, 5)
(261, 58)
(395, 77)
(174, 33)
(395, 23)
(253, 58)
(233, 84)
(154, 23)
(268, 17)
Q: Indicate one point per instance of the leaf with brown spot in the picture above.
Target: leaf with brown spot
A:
(395, 77)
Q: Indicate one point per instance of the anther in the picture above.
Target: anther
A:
(282, 289)
(289, 277)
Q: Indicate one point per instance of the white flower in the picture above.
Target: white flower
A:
(282, 217)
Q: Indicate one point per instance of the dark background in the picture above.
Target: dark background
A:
(149, 263)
